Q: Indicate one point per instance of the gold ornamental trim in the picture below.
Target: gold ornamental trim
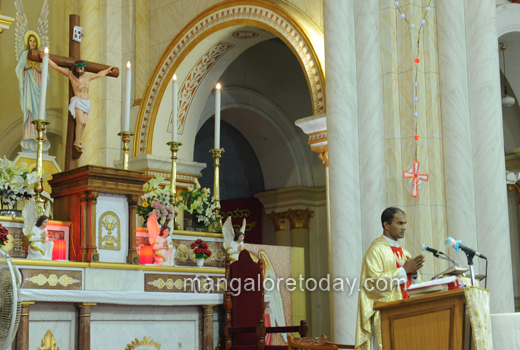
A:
(48, 342)
(299, 218)
(109, 222)
(52, 280)
(147, 341)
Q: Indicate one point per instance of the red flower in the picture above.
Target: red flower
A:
(198, 250)
(193, 245)
(198, 240)
(205, 245)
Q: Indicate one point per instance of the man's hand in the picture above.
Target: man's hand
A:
(414, 264)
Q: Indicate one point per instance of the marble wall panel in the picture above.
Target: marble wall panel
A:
(423, 235)
(155, 4)
(166, 21)
(432, 103)
(312, 8)
(436, 172)
(142, 45)
(389, 40)
(114, 280)
(394, 172)
(439, 234)
(429, 41)
(115, 327)
(59, 318)
(190, 9)
(391, 105)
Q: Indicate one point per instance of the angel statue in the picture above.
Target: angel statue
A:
(29, 72)
(35, 229)
(161, 242)
(233, 242)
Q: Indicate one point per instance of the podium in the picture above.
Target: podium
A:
(434, 321)
(101, 203)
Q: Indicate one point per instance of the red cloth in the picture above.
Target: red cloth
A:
(399, 256)
(247, 304)
(245, 208)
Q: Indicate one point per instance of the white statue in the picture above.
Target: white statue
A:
(233, 242)
(29, 72)
(161, 242)
(35, 229)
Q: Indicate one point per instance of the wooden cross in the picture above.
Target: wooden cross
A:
(72, 154)
(416, 177)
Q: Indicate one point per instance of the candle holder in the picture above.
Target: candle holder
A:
(174, 148)
(216, 226)
(39, 201)
(125, 136)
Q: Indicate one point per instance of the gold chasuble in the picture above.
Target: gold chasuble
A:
(380, 267)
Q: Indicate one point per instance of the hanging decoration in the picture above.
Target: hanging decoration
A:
(413, 176)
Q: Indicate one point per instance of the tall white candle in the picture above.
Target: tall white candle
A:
(43, 89)
(217, 117)
(174, 108)
(126, 123)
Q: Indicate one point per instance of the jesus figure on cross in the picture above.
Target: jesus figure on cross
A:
(79, 104)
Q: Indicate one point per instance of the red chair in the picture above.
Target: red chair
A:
(245, 328)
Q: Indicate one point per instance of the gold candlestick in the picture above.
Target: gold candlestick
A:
(216, 226)
(39, 201)
(174, 148)
(125, 136)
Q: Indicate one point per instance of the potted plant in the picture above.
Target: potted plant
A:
(15, 184)
(197, 202)
(156, 199)
(201, 250)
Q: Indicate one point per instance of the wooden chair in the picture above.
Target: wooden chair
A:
(320, 343)
(309, 343)
(245, 328)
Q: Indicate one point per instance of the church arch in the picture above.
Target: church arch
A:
(193, 44)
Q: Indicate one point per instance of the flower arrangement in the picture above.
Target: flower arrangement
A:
(3, 236)
(156, 199)
(201, 249)
(198, 203)
(15, 181)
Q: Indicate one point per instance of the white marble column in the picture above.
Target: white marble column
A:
(371, 123)
(342, 125)
(488, 150)
(456, 126)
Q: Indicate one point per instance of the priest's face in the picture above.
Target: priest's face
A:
(397, 229)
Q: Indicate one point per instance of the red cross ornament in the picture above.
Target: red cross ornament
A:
(416, 177)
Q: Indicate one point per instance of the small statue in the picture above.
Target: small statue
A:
(35, 229)
(161, 241)
(79, 105)
(233, 242)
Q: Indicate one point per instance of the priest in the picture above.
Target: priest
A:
(387, 271)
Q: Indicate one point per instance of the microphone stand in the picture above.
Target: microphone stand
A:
(446, 257)
(470, 264)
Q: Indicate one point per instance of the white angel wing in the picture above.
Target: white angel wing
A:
(43, 25)
(21, 28)
(243, 229)
(276, 304)
(29, 217)
(228, 231)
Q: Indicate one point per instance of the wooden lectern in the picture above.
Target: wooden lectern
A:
(434, 321)
(76, 193)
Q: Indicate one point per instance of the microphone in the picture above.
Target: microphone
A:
(425, 248)
(450, 242)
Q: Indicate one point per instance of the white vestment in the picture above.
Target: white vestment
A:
(39, 249)
(234, 250)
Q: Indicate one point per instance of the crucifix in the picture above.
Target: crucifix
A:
(416, 177)
(73, 152)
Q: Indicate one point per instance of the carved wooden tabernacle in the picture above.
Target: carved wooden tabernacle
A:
(75, 194)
